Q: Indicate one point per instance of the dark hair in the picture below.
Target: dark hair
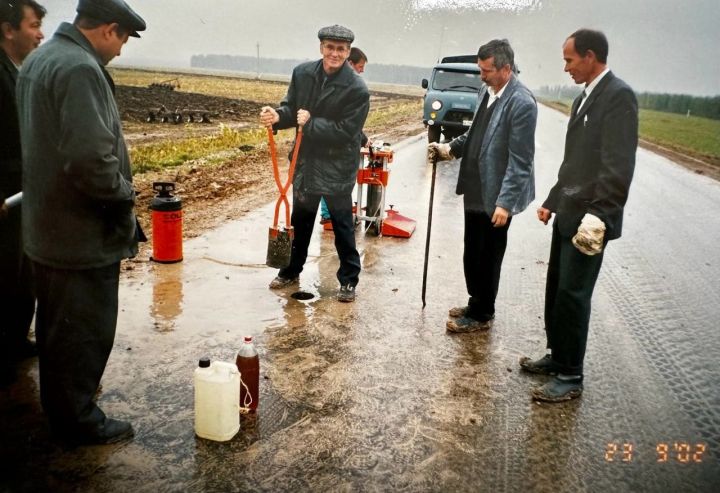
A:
(357, 55)
(589, 39)
(500, 50)
(86, 22)
(13, 11)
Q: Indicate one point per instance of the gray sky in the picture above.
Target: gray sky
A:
(655, 45)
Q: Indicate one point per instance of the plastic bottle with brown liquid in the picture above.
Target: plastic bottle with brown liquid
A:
(248, 362)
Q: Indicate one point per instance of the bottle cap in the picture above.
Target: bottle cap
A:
(204, 362)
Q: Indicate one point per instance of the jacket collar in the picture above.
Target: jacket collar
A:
(501, 103)
(594, 94)
(344, 77)
(69, 31)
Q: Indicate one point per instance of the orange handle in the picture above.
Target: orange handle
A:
(276, 174)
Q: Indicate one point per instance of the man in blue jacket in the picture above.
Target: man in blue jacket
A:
(330, 102)
(496, 179)
(78, 220)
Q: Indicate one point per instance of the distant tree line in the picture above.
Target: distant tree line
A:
(375, 72)
(707, 106)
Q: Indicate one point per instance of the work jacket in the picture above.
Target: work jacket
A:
(77, 186)
(330, 149)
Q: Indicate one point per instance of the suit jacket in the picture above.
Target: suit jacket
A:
(10, 152)
(77, 185)
(330, 149)
(506, 158)
(599, 160)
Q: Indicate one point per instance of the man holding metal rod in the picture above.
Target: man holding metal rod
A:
(496, 179)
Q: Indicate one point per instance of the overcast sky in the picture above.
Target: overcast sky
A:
(655, 45)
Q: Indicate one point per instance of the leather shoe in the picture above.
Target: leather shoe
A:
(467, 324)
(560, 388)
(458, 311)
(282, 282)
(542, 366)
(346, 293)
(107, 432)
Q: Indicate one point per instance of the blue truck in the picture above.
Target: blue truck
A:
(451, 96)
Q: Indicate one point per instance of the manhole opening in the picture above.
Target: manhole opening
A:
(302, 295)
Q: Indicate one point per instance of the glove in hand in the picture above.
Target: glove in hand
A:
(439, 152)
(590, 234)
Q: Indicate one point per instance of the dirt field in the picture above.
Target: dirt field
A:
(214, 193)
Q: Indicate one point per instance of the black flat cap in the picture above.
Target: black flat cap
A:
(111, 11)
(339, 33)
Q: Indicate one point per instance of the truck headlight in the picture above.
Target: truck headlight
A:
(436, 105)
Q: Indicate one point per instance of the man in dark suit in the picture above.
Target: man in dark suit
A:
(20, 34)
(588, 201)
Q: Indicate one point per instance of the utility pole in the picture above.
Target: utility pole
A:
(257, 68)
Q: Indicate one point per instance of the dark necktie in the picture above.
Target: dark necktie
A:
(582, 98)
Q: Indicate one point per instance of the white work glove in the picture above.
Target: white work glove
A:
(589, 237)
(439, 152)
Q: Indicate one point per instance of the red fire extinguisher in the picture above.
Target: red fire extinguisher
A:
(166, 224)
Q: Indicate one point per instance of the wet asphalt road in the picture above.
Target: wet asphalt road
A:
(375, 396)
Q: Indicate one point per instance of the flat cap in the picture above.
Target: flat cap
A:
(113, 11)
(340, 33)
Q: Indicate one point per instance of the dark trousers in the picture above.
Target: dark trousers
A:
(17, 300)
(570, 283)
(75, 329)
(484, 251)
(305, 208)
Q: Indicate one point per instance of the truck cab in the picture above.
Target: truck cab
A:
(451, 96)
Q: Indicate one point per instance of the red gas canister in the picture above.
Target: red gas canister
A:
(166, 224)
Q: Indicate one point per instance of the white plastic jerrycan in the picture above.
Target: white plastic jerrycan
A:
(217, 394)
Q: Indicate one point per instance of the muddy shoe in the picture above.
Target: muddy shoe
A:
(561, 388)
(467, 324)
(542, 366)
(346, 294)
(458, 311)
(283, 282)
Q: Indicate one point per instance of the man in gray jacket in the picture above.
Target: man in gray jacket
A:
(78, 220)
(496, 178)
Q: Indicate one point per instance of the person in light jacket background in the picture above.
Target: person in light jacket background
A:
(496, 179)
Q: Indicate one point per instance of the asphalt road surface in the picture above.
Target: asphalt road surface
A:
(376, 396)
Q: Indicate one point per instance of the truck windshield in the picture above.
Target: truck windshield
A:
(456, 81)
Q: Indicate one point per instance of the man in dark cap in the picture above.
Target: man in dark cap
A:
(78, 220)
(20, 33)
(330, 102)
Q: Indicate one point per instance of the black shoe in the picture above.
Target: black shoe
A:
(560, 388)
(105, 433)
(346, 293)
(26, 349)
(542, 366)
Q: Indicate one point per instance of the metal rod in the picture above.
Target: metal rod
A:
(429, 226)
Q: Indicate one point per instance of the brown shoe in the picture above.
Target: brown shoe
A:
(458, 311)
(466, 324)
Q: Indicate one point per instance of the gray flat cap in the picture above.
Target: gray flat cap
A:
(113, 11)
(340, 33)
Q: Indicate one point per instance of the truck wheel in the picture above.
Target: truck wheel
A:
(433, 133)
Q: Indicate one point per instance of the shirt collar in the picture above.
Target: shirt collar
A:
(589, 88)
